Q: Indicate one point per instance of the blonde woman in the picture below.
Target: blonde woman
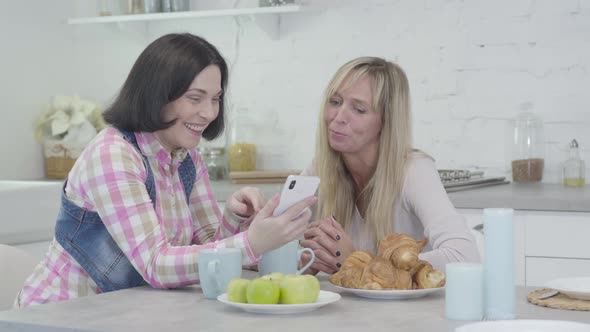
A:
(373, 181)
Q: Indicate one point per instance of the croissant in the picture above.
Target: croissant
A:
(351, 272)
(381, 274)
(425, 276)
(401, 249)
(357, 259)
(396, 266)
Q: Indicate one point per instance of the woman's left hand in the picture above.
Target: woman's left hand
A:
(246, 202)
(329, 242)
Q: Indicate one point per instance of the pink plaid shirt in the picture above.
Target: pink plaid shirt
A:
(163, 244)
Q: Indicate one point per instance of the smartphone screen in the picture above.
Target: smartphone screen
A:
(296, 189)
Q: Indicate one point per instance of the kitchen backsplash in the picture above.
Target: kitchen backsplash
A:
(472, 65)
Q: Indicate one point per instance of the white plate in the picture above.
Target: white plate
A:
(392, 294)
(524, 326)
(324, 298)
(578, 288)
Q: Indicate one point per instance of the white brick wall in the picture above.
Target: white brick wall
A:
(472, 65)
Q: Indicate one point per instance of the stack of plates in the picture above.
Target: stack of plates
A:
(474, 183)
(459, 179)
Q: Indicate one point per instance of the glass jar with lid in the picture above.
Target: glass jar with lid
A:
(242, 147)
(528, 154)
(216, 162)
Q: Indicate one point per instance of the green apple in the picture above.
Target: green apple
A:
(299, 289)
(275, 277)
(262, 291)
(236, 290)
(314, 288)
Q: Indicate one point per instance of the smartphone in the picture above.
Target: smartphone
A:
(296, 189)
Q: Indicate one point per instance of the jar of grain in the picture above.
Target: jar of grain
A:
(242, 147)
(528, 156)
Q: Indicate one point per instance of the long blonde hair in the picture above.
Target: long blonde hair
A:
(391, 97)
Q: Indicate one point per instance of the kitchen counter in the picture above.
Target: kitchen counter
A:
(147, 309)
(37, 224)
(519, 196)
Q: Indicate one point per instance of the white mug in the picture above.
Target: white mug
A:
(217, 267)
(285, 259)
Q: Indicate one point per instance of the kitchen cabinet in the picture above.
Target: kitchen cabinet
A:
(558, 234)
(557, 245)
(547, 244)
(27, 214)
(542, 269)
(267, 18)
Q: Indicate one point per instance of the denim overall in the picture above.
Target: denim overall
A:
(84, 236)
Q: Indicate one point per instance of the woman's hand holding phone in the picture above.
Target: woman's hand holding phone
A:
(268, 232)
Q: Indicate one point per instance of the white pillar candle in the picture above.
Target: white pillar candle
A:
(464, 291)
(500, 290)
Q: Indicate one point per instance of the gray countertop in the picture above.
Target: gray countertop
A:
(145, 309)
(519, 196)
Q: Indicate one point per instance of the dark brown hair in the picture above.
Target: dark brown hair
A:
(161, 74)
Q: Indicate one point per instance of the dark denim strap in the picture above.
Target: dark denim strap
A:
(187, 174)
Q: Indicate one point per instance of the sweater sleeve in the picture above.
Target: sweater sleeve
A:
(445, 229)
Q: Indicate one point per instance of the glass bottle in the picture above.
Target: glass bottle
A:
(180, 5)
(528, 148)
(242, 149)
(166, 6)
(215, 161)
(111, 7)
(574, 168)
(104, 8)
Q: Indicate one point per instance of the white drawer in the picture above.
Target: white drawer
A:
(28, 210)
(540, 270)
(557, 234)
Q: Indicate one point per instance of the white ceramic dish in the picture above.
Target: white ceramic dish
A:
(390, 294)
(578, 288)
(324, 298)
(524, 326)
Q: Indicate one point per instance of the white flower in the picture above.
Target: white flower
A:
(66, 113)
(60, 123)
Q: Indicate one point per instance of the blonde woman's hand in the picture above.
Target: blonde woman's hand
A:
(330, 244)
(267, 232)
(317, 265)
(246, 202)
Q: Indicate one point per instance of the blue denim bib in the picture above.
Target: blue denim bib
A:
(84, 236)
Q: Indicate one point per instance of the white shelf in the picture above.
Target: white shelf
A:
(183, 15)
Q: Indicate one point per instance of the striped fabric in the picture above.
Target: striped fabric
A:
(163, 244)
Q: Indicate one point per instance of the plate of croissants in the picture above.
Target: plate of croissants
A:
(395, 273)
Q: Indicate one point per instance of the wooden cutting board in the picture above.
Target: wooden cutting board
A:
(281, 174)
(258, 181)
(256, 177)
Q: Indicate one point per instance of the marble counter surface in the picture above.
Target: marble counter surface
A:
(525, 196)
(533, 196)
(145, 309)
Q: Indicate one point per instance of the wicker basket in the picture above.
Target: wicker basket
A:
(58, 167)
